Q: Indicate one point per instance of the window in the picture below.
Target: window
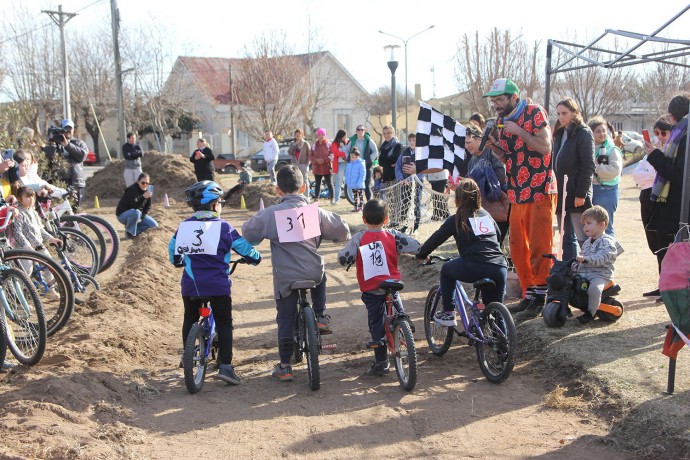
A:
(343, 121)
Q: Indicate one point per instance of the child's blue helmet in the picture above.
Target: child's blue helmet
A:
(203, 192)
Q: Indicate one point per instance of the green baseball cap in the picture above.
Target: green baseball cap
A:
(503, 86)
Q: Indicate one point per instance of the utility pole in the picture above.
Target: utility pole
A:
(121, 130)
(232, 112)
(61, 18)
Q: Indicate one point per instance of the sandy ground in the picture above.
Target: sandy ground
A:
(109, 387)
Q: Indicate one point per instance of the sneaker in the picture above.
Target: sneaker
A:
(654, 293)
(586, 318)
(535, 307)
(322, 323)
(284, 374)
(355, 209)
(6, 366)
(520, 306)
(227, 374)
(129, 236)
(446, 318)
(379, 368)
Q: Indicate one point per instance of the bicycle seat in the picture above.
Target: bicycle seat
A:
(305, 284)
(484, 282)
(392, 285)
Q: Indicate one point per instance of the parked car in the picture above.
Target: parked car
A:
(90, 158)
(226, 163)
(631, 144)
(258, 162)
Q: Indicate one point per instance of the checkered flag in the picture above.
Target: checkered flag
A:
(440, 141)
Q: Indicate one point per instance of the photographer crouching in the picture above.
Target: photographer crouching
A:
(73, 151)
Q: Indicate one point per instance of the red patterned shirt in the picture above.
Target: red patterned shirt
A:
(530, 177)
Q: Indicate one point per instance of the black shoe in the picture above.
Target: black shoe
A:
(586, 318)
(535, 307)
(227, 374)
(654, 293)
(129, 236)
(379, 368)
(520, 306)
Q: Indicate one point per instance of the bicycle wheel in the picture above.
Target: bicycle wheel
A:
(80, 252)
(298, 339)
(23, 314)
(405, 354)
(52, 283)
(497, 356)
(89, 229)
(87, 285)
(112, 240)
(349, 195)
(438, 337)
(194, 359)
(312, 348)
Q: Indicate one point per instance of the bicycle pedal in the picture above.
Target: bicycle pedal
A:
(327, 332)
(376, 344)
(329, 346)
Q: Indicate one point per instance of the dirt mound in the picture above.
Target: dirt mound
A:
(253, 193)
(170, 173)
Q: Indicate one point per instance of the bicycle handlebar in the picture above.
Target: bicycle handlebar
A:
(431, 260)
(238, 261)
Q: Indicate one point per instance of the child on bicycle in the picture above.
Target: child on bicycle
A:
(202, 245)
(375, 252)
(477, 238)
(596, 259)
(295, 232)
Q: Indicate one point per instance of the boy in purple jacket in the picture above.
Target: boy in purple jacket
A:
(202, 246)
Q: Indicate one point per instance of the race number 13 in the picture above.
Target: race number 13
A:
(298, 224)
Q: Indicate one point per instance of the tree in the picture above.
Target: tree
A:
(498, 55)
(661, 83)
(271, 87)
(378, 106)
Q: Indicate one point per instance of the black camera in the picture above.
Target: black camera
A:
(56, 135)
(603, 159)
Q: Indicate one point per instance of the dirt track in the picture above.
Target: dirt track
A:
(109, 386)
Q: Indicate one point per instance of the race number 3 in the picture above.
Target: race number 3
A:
(298, 224)
(482, 225)
(198, 237)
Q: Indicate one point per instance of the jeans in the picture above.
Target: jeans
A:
(573, 234)
(606, 196)
(338, 181)
(131, 176)
(287, 310)
(130, 219)
(375, 304)
(459, 269)
(304, 169)
(271, 168)
(367, 180)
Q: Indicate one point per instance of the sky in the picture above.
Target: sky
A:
(222, 28)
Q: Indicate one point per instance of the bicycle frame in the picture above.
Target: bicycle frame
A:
(208, 324)
(20, 296)
(462, 304)
(390, 318)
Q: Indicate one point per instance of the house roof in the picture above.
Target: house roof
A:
(213, 76)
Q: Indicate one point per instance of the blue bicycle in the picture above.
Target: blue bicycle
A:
(202, 344)
(489, 328)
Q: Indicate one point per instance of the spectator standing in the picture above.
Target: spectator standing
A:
(73, 151)
(203, 158)
(339, 152)
(477, 119)
(524, 142)
(368, 152)
(389, 152)
(321, 160)
(300, 153)
(618, 141)
(573, 156)
(607, 172)
(669, 164)
(134, 206)
(271, 155)
(132, 153)
(407, 197)
(644, 175)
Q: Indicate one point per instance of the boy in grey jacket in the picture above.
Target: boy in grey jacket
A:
(295, 230)
(596, 259)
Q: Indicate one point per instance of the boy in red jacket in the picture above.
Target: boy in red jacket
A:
(375, 252)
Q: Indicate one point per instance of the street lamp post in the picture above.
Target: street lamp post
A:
(405, 41)
(393, 65)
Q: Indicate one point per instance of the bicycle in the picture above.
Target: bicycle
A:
(489, 328)
(306, 336)
(202, 344)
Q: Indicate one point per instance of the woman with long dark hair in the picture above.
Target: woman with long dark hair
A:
(573, 156)
(339, 151)
(476, 236)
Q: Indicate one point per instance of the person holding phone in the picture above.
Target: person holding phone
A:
(404, 163)
(134, 206)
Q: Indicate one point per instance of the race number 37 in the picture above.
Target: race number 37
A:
(298, 224)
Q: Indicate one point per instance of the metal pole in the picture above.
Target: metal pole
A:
(58, 18)
(547, 86)
(115, 19)
(671, 382)
(232, 114)
(392, 65)
(406, 104)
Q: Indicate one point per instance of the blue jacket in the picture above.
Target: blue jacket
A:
(355, 173)
(207, 274)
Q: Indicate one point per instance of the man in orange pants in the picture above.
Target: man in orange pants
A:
(523, 141)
